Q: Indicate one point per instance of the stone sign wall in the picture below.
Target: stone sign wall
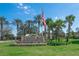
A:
(32, 39)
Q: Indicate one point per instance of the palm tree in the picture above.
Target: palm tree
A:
(77, 32)
(18, 23)
(52, 26)
(29, 24)
(2, 21)
(59, 24)
(34, 26)
(7, 30)
(49, 23)
(38, 18)
(72, 34)
(23, 27)
(69, 20)
(77, 29)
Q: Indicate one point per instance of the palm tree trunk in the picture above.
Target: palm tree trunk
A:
(1, 31)
(38, 28)
(68, 36)
(48, 33)
(56, 34)
(24, 32)
(52, 34)
(17, 30)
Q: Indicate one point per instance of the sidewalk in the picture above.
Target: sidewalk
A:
(7, 41)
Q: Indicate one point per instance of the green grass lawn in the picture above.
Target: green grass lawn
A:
(64, 50)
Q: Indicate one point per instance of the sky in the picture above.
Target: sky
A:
(27, 11)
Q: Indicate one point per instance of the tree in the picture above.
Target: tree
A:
(23, 28)
(50, 25)
(59, 24)
(38, 18)
(29, 24)
(77, 29)
(18, 23)
(48, 21)
(8, 34)
(72, 34)
(2, 22)
(77, 32)
(34, 26)
(69, 19)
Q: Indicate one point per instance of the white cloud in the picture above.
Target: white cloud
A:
(22, 7)
(56, 17)
(62, 17)
(20, 4)
(25, 7)
(26, 12)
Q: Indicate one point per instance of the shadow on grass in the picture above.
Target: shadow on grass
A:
(75, 42)
(27, 45)
(56, 44)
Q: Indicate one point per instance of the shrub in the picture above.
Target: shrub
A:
(55, 42)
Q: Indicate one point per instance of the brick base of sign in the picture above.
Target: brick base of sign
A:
(31, 40)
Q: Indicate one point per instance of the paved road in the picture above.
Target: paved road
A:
(7, 41)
